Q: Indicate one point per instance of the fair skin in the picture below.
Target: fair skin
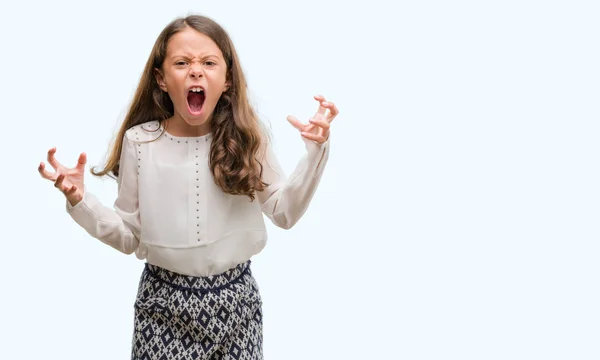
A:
(193, 60)
(317, 129)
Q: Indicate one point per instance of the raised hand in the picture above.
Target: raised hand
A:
(318, 127)
(68, 181)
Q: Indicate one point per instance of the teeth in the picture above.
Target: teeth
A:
(196, 89)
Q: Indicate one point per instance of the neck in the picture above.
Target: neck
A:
(177, 126)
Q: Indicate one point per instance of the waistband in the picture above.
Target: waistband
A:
(198, 283)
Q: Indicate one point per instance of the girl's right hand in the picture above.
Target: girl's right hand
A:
(68, 181)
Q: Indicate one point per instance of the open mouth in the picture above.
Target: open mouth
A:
(195, 100)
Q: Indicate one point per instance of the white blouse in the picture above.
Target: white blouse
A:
(170, 212)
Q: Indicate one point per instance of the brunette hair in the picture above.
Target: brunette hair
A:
(236, 129)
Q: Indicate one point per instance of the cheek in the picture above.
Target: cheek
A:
(174, 78)
(220, 79)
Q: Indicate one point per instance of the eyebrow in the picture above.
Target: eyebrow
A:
(189, 55)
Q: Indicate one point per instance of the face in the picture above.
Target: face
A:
(194, 74)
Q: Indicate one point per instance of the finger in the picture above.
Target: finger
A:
(321, 110)
(62, 187)
(81, 162)
(45, 173)
(309, 128)
(314, 137)
(296, 123)
(51, 159)
(320, 123)
(70, 191)
(319, 98)
(333, 110)
(59, 182)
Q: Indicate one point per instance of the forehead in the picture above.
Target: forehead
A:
(192, 42)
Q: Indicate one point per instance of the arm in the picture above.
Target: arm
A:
(118, 227)
(286, 199)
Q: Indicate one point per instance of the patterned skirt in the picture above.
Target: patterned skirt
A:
(186, 317)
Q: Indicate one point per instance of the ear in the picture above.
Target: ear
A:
(227, 85)
(227, 81)
(160, 79)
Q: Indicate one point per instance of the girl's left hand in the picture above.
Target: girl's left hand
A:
(318, 129)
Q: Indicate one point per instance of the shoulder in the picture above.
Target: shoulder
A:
(147, 131)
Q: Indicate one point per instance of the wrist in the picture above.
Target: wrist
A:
(75, 199)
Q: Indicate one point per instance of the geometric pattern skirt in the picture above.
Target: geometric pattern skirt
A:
(185, 317)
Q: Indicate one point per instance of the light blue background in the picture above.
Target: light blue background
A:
(457, 217)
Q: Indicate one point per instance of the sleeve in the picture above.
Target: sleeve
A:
(118, 227)
(285, 199)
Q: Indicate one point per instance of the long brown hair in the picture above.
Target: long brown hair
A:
(237, 132)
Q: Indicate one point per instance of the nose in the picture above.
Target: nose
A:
(195, 71)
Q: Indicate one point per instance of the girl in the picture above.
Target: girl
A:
(195, 173)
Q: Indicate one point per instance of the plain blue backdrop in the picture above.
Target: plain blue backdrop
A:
(457, 217)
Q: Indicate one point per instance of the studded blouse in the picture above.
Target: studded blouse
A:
(170, 212)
